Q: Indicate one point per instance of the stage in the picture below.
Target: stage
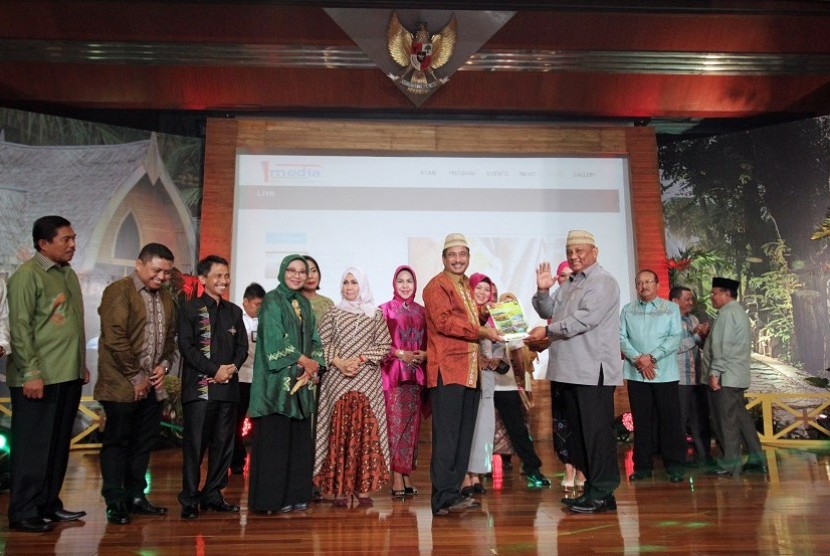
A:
(785, 513)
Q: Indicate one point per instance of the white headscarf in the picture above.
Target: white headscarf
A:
(364, 303)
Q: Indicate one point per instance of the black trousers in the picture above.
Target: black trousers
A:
(130, 434)
(282, 462)
(239, 452)
(208, 426)
(40, 435)
(454, 409)
(694, 417)
(590, 414)
(509, 405)
(656, 403)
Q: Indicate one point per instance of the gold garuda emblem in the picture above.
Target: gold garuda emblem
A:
(420, 54)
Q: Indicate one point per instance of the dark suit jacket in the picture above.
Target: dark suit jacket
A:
(228, 345)
(123, 317)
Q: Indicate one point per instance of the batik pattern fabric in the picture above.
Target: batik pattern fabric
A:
(403, 417)
(204, 347)
(352, 447)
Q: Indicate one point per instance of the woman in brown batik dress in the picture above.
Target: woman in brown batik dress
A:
(352, 453)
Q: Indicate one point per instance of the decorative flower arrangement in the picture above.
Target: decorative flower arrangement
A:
(624, 426)
(679, 264)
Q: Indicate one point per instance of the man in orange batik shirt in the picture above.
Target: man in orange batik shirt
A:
(453, 332)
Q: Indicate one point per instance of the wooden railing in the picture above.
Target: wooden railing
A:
(77, 441)
(806, 418)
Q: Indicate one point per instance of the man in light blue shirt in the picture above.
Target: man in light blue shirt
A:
(650, 334)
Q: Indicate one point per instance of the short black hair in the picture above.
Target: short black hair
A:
(677, 291)
(254, 291)
(319, 274)
(151, 250)
(46, 228)
(204, 266)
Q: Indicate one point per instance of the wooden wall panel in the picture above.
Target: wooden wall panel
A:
(647, 204)
(217, 197)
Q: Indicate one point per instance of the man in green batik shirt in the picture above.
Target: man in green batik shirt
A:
(45, 375)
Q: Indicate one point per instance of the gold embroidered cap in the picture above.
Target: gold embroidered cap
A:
(454, 240)
(580, 237)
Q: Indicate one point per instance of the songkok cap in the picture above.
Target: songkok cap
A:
(580, 237)
(725, 283)
(454, 240)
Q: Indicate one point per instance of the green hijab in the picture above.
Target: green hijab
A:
(307, 327)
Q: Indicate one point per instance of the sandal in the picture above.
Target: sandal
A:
(340, 503)
(410, 490)
(399, 493)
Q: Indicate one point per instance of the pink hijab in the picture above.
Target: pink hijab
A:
(397, 297)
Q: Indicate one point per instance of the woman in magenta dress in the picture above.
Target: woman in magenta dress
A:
(404, 378)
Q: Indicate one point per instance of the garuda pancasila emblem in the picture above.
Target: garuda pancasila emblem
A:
(420, 54)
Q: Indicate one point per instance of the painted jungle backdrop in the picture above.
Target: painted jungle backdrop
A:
(755, 206)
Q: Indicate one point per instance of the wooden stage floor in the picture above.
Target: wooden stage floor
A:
(785, 513)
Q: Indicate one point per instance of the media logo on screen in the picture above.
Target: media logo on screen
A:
(280, 173)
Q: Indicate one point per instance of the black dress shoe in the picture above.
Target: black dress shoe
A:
(140, 505)
(675, 477)
(286, 509)
(190, 512)
(220, 506)
(595, 505)
(301, 507)
(572, 501)
(31, 525)
(66, 515)
(117, 514)
(639, 476)
(721, 472)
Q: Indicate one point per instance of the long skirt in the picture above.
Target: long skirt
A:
(282, 463)
(481, 452)
(403, 420)
(353, 462)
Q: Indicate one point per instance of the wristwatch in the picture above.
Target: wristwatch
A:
(653, 359)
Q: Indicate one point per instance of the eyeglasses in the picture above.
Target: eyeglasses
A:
(292, 272)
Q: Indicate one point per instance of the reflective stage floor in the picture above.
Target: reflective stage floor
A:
(785, 513)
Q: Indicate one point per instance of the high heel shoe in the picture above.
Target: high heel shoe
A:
(467, 492)
(399, 493)
(568, 483)
(579, 485)
(365, 502)
(410, 490)
(340, 503)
